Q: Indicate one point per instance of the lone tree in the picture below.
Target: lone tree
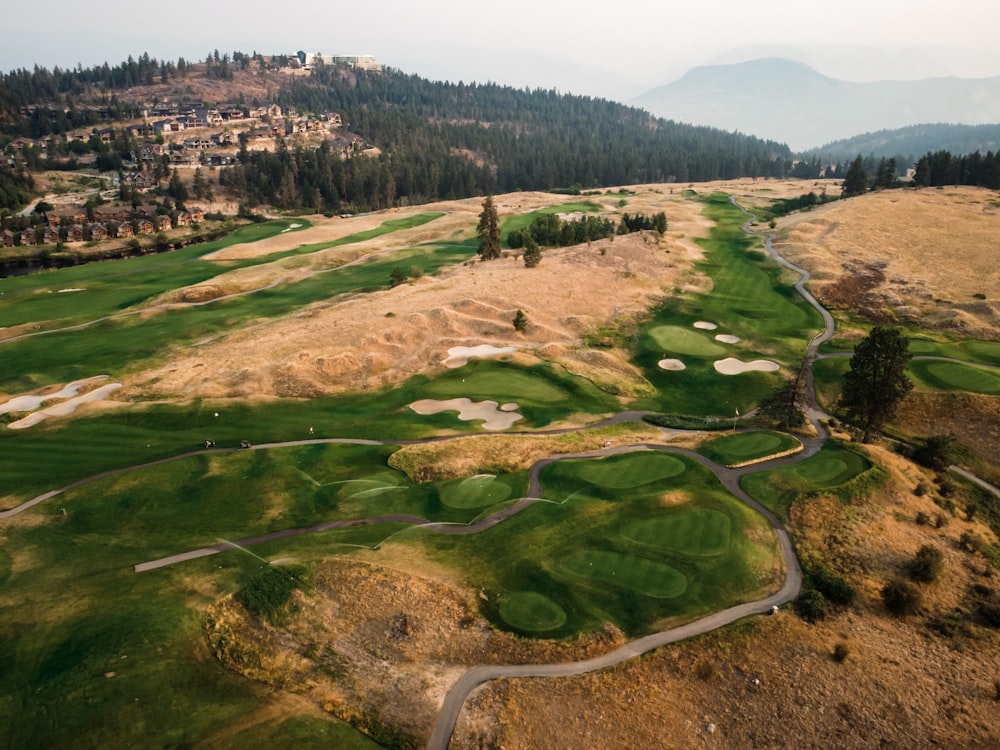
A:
(876, 383)
(489, 231)
(520, 321)
(532, 253)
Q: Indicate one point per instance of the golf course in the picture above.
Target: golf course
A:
(292, 394)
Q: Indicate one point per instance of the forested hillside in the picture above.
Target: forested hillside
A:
(433, 140)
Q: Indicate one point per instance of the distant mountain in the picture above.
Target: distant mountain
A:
(790, 102)
(915, 141)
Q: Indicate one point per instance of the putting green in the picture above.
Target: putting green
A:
(680, 340)
(643, 576)
(503, 385)
(474, 492)
(955, 376)
(746, 446)
(704, 532)
(629, 470)
(528, 610)
(824, 471)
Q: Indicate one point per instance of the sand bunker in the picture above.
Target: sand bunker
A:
(733, 366)
(727, 338)
(494, 417)
(460, 355)
(705, 325)
(675, 365)
(30, 403)
(73, 289)
(67, 407)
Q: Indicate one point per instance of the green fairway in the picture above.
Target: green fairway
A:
(532, 612)
(746, 446)
(955, 376)
(831, 467)
(629, 470)
(704, 532)
(987, 352)
(678, 340)
(647, 577)
(475, 492)
(771, 320)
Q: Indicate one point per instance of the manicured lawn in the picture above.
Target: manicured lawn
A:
(746, 446)
(777, 489)
(532, 612)
(771, 321)
(628, 539)
(955, 376)
(479, 491)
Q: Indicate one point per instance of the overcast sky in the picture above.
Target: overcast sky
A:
(609, 49)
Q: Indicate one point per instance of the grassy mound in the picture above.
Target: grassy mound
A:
(833, 467)
(746, 446)
(475, 492)
(532, 612)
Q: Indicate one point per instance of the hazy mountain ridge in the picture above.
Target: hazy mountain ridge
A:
(915, 140)
(790, 102)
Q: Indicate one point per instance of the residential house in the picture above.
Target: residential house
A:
(197, 214)
(144, 226)
(124, 229)
(182, 219)
(7, 238)
(332, 119)
(219, 160)
(50, 234)
(169, 126)
(29, 236)
(74, 233)
(178, 157)
(150, 151)
(106, 134)
(231, 113)
(109, 214)
(163, 223)
(257, 112)
(20, 144)
(146, 211)
(198, 143)
(98, 231)
(66, 216)
(225, 138)
(274, 111)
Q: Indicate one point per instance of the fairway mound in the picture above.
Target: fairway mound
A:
(733, 366)
(380, 338)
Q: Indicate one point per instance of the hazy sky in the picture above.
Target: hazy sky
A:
(608, 49)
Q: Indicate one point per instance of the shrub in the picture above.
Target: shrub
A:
(921, 489)
(833, 587)
(901, 597)
(810, 606)
(520, 321)
(935, 453)
(922, 518)
(267, 593)
(840, 652)
(940, 521)
(926, 565)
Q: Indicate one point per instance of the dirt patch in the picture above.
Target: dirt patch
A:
(377, 646)
(926, 255)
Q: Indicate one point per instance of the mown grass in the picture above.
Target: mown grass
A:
(832, 467)
(597, 513)
(747, 300)
(746, 446)
(954, 376)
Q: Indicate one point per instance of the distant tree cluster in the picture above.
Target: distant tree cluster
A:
(548, 230)
(943, 168)
(15, 188)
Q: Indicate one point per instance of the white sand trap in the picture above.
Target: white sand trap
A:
(73, 289)
(66, 407)
(727, 338)
(674, 365)
(705, 325)
(30, 403)
(493, 418)
(290, 228)
(509, 407)
(460, 355)
(733, 366)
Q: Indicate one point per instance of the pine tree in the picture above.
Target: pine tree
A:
(876, 383)
(532, 253)
(520, 321)
(856, 179)
(489, 231)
